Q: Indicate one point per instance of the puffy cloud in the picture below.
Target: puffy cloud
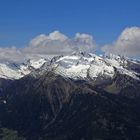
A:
(128, 43)
(10, 54)
(58, 43)
(55, 43)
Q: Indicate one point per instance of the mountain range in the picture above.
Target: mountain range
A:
(79, 96)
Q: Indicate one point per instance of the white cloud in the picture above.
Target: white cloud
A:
(10, 54)
(58, 43)
(128, 43)
(55, 43)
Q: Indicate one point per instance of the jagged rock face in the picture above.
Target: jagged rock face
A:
(123, 84)
(134, 65)
(53, 107)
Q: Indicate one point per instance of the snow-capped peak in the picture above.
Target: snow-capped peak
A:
(9, 70)
(78, 65)
(82, 65)
(35, 63)
(86, 65)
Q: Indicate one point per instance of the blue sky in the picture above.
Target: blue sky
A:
(21, 20)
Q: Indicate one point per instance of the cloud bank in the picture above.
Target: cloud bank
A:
(127, 44)
(11, 54)
(56, 43)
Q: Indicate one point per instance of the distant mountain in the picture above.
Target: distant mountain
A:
(73, 97)
(11, 70)
(78, 65)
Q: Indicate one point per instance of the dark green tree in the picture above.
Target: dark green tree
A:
(7, 134)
